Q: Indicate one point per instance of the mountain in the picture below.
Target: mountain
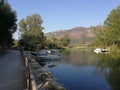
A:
(77, 34)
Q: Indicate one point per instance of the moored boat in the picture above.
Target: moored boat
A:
(100, 50)
(47, 55)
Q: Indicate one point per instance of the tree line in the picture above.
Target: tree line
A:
(109, 33)
(33, 38)
(30, 28)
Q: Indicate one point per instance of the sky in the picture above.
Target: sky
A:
(65, 14)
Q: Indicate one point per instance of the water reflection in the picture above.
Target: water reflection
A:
(111, 62)
(86, 70)
(79, 58)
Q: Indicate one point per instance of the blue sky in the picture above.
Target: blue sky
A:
(65, 14)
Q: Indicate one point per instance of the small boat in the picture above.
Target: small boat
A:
(100, 50)
(43, 54)
(97, 50)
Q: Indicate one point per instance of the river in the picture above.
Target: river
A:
(86, 70)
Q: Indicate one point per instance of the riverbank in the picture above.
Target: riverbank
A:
(38, 77)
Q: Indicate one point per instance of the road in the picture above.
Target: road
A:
(11, 71)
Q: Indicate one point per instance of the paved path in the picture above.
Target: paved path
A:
(11, 71)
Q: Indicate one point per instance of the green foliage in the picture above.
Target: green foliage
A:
(112, 25)
(52, 43)
(110, 32)
(31, 32)
(115, 51)
(97, 30)
(65, 41)
(7, 23)
(16, 43)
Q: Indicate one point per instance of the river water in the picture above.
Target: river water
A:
(86, 70)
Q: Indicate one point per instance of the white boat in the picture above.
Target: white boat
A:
(43, 54)
(97, 50)
(100, 50)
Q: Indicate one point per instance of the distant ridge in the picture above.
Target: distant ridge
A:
(77, 34)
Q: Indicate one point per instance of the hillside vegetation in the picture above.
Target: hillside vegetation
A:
(77, 34)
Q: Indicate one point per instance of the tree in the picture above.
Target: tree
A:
(52, 43)
(65, 41)
(7, 23)
(31, 32)
(102, 39)
(110, 32)
(112, 26)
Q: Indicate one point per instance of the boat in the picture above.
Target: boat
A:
(44, 54)
(97, 50)
(100, 50)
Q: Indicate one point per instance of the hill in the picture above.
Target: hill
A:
(77, 34)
